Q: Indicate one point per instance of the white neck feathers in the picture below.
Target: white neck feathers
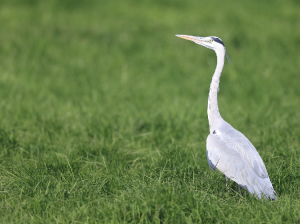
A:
(213, 113)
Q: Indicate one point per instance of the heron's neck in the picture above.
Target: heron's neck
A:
(213, 113)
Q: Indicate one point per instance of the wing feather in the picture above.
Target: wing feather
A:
(240, 163)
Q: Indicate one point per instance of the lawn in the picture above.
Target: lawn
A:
(103, 110)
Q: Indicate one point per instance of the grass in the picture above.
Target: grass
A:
(103, 110)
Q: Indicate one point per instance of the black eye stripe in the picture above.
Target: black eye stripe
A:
(218, 40)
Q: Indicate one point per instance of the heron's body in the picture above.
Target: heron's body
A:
(229, 150)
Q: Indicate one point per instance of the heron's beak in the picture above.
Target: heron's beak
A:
(198, 40)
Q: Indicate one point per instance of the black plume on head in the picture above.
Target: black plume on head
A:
(218, 40)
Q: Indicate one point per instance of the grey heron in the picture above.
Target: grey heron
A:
(227, 149)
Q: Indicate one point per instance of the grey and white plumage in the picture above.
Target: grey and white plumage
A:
(228, 150)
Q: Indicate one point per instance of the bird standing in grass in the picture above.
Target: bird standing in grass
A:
(227, 149)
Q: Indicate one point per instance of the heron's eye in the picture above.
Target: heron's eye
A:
(211, 40)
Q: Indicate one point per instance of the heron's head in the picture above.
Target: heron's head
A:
(211, 42)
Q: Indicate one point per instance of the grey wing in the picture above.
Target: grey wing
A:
(235, 166)
(238, 142)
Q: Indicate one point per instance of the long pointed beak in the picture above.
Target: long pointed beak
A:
(197, 40)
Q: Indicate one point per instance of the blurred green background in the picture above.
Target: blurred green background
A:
(103, 110)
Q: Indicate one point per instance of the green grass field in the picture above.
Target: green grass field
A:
(103, 110)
